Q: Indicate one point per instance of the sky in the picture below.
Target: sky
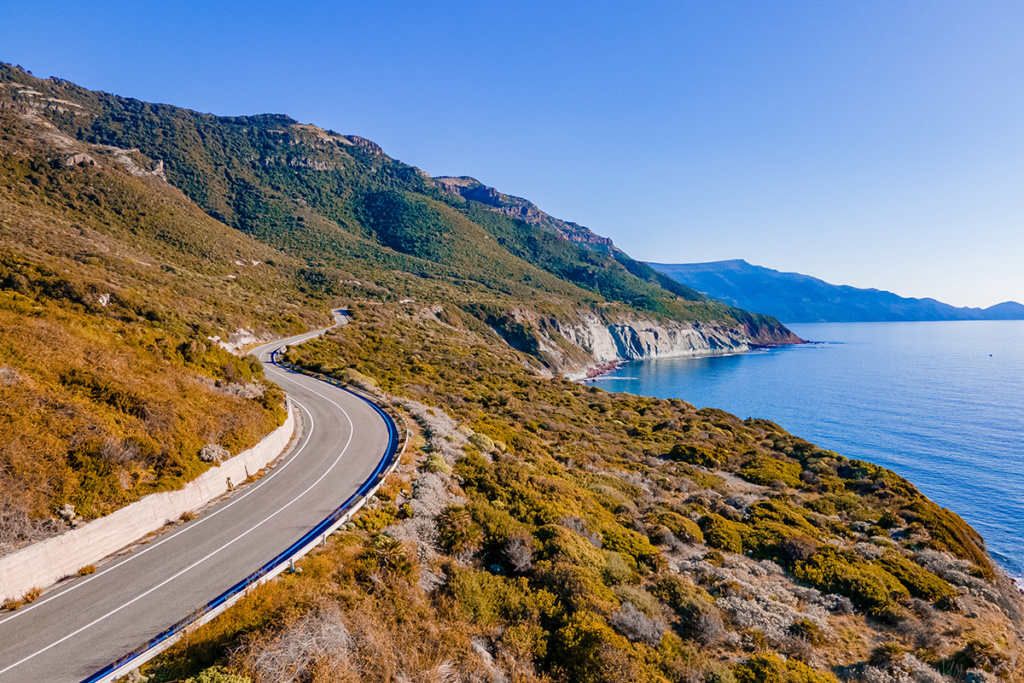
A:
(875, 143)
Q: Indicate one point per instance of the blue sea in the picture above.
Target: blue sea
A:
(941, 403)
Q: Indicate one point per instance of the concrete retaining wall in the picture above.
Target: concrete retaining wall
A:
(44, 563)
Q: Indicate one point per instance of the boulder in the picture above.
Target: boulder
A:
(213, 453)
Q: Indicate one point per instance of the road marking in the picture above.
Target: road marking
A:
(237, 499)
(133, 555)
(195, 564)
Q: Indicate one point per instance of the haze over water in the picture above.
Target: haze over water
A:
(941, 403)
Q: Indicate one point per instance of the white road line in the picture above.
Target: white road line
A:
(200, 561)
(133, 555)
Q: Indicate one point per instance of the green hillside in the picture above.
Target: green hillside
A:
(346, 208)
(538, 529)
(124, 220)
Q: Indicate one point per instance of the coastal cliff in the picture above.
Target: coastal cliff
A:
(586, 344)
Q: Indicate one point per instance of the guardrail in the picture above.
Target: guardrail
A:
(316, 536)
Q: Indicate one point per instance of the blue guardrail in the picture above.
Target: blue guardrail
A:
(281, 558)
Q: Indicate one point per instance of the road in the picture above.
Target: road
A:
(83, 624)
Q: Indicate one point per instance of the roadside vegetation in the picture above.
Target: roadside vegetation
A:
(538, 530)
(542, 530)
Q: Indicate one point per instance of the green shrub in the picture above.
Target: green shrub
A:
(217, 674)
(822, 506)
(919, 581)
(683, 528)
(723, 534)
(559, 543)
(694, 455)
(868, 586)
(769, 668)
(689, 602)
(765, 471)
(633, 545)
(436, 463)
(618, 569)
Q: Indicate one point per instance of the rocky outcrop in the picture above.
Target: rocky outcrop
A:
(214, 453)
(590, 343)
(641, 339)
(518, 208)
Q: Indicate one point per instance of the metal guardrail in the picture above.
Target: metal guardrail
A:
(282, 560)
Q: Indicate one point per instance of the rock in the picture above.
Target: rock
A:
(80, 160)
(213, 453)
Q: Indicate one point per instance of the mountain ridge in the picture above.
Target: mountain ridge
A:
(796, 297)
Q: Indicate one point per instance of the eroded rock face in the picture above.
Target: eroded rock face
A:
(639, 339)
(214, 453)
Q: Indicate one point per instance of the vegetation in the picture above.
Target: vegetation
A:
(588, 547)
(538, 530)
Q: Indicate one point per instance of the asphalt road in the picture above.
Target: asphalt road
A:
(84, 624)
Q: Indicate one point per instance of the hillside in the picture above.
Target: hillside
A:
(538, 530)
(541, 530)
(798, 298)
(141, 242)
(369, 226)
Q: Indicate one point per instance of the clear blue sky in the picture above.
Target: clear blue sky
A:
(871, 143)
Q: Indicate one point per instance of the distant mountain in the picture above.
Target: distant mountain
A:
(798, 298)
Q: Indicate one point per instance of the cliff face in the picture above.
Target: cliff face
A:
(576, 347)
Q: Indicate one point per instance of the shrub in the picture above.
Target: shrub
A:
(919, 581)
(764, 471)
(375, 520)
(518, 553)
(583, 647)
(217, 674)
(32, 594)
(798, 548)
(559, 543)
(436, 463)
(690, 603)
(719, 673)
(805, 629)
(636, 626)
(694, 455)
(641, 599)
(618, 569)
(977, 654)
(633, 545)
(87, 569)
(887, 654)
(386, 555)
(456, 530)
(868, 586)
(722, 534)
(683, 528)
(292, 654)
(769, 668)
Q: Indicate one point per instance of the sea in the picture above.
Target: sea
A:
(940, 403)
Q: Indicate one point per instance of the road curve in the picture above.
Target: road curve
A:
(84, 624)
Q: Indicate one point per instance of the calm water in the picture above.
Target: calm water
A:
(940, 403)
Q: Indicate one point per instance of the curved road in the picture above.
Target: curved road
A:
(86, 623)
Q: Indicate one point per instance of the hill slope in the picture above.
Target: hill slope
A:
(800, 298)
(539, 529)
(137, 239)
(368, 225)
